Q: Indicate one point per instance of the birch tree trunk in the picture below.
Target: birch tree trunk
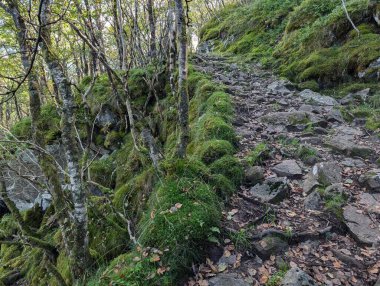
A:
(183, 105)
(79, 253)
(152, 28)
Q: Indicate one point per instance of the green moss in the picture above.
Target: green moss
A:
(212, 150)
(108, 236)
(189, 168)
(113, 139)
(178, 219)
(230, 167)
(219, 103)
(310, 84)
(22, 129)
(102, 172)
(134, 269)
(210, 127)
(221, 185)
(50, 125)
(33, 217)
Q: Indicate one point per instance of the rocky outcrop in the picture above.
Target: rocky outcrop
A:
(316, 98)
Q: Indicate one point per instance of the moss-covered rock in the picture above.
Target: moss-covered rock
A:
(178, 219)
(211, 150)
(230, 167)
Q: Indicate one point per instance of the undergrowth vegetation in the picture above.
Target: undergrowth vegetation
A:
(170, 210)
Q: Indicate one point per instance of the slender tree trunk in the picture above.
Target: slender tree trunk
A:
(79, 254)
(172, 45)
(183, 105)
(121, 35)
(152, 28)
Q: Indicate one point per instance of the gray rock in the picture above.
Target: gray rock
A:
(107, 119)
(361, 226)
(273, 190)
(281, 87)
(316, 98)
(43, 200)
(349, 162)
(313, 201)
(335, 116)
(335, 189)
(320, 131)
(326, 173)
(371, 180)
(340, 144)
(288, 168)
(230, 260)
(297, 277)
(310, 108)
(227, 279)
(309, 184)
(290, 117)
(370, 202)
(268, 246)
(253, 175)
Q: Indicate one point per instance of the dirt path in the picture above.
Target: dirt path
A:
(312, 193)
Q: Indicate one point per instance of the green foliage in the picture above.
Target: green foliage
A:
(212, 150)
(241, 240)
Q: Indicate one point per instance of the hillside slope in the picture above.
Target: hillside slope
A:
(310, 42)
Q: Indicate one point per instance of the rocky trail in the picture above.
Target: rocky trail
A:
(311, 197)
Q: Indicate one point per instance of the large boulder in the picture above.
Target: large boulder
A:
(297, 277)
(316, 98)
(361, 226)
(280, 87)
(288, 168)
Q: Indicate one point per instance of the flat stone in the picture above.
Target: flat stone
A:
(370, 202)
(316, 98)
(313, 201)
(297, 277)
(286, 118)
(361, 226)
(227, 279)
(371, 180)
(273, 190)
(335, 189)
(309, 184)
(268, 246)
(340, 144)
(288, 168)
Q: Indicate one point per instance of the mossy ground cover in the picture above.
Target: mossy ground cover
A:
(310, 42)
